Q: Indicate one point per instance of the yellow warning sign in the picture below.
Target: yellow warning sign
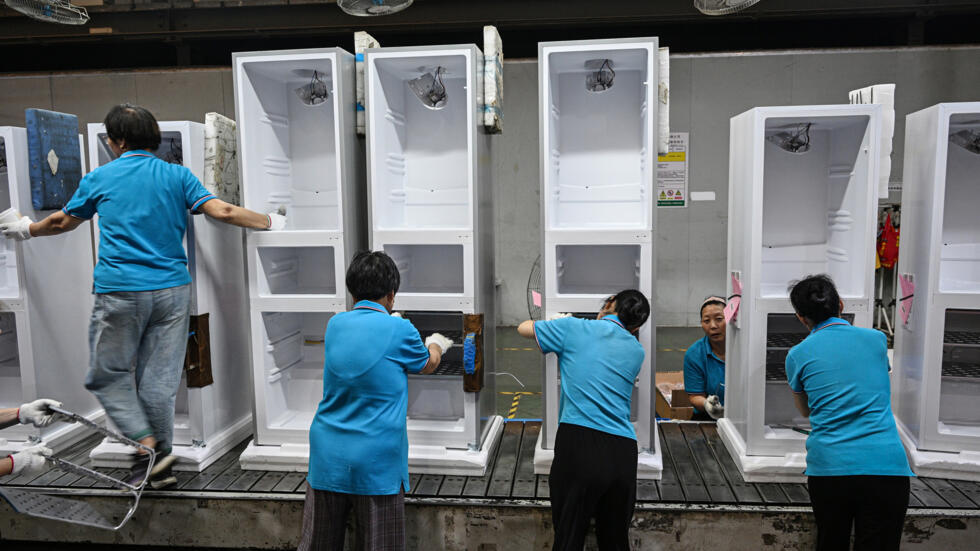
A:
(673, 157)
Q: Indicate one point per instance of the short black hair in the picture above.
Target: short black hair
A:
(133, 125)
(632, 308)
(372, 275)
(815, 298)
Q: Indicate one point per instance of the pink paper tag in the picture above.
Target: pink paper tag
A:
(536, 298)
(905, 301)
(731, 309)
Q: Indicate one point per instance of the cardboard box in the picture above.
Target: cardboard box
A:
(672, 401)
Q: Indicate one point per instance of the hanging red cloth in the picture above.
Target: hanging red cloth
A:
(888, 244)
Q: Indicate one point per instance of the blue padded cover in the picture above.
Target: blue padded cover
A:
(469, 353)
(51, 131)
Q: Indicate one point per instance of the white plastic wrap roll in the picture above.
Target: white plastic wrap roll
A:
(493, 80)
(663, 107)
(362, 41)
(883, 94)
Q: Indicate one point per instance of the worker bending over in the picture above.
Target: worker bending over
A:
(138, 331)
(704, 363)
(857, 471)
(29, 460)
(359, 435)
(593, 473)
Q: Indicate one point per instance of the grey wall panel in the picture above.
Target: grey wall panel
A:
(91, 95)
(166, 94)
(518, 190)
(706, 90)
(19, 93)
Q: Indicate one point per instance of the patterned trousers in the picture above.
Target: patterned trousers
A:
(379, 521)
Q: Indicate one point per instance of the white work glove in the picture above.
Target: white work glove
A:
(559, 316)
(19, 230)
(443, 341)
(37, 413)
(277, 221)
(714, 408)
(30, 460)
(396, 314)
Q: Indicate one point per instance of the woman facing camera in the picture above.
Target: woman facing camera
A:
(857, 469)
(704, 363)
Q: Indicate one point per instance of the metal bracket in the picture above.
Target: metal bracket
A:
(42, 504)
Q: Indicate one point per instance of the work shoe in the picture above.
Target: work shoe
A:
(138, 471)
(164, 478)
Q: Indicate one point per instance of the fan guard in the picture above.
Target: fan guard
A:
(723, 7)
(51, 11)
(368, 8)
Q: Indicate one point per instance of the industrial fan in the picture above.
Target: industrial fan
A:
(367, 8)
(534, 290)
(722, 7)
(51, 11)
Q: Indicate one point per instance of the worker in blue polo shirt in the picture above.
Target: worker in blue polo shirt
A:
(704, 363)
(593, 474)
(359, 435)
(138, 331)
(858, 474)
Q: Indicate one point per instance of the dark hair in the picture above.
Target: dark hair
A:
(372, 275)
(632, 308)
(815, 298)
(133, 125)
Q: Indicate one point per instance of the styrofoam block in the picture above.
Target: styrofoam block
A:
(221, 158)
(113, 455)
(883, 94)
(493, 80)
(457, 462)
(286, 457)
(362, 41)
(964, 465)
(663, 105)
(761, 468)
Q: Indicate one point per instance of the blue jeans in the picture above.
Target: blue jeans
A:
(138, 340)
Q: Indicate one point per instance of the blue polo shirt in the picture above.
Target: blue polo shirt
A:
(844, 372)
(359, 436)
(142, 203)
(599, 361)
(704, 372)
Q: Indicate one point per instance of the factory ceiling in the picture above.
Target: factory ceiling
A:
(188, 33)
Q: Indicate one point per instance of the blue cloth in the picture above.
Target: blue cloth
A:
(149, 327)
(704, 372)
(359, 436)
(599, 361)
(142, 203)
(844, 372)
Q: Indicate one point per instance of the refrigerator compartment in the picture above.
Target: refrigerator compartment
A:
(428, 268)
(597, 269)
(296, 271)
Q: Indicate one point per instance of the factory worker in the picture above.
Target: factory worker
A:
(704, 363)
(138, 331)
(857, 469)
(593, 474)
(359, 435)
(29, 460)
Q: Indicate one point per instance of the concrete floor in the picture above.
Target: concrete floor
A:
(521, 359)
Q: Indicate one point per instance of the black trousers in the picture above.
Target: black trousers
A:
(874, 505)
(593, 475)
